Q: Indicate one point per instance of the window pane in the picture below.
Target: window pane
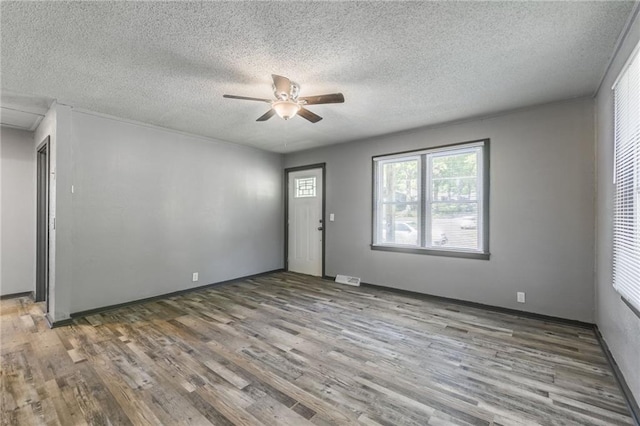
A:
(306, 187)
(399, 224)
(454, 177)
(626, 217)
(455, 225)
(400, 182)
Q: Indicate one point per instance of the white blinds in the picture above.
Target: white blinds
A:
(626, 222)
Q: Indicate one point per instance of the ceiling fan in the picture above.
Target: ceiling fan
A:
(287, 103)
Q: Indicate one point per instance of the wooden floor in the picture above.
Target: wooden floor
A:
(285, 349)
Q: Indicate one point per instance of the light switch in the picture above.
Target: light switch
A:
(332, 217)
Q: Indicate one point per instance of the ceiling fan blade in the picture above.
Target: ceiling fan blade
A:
(246, 98)
(283, 84)
(333, 98)
(305, 113)
(267, 115)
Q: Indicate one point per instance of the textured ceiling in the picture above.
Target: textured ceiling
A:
(400, 65)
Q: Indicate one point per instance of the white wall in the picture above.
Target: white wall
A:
(541, 218)
(56, 124)
(17, 203)
(151, 206)
(618, 325)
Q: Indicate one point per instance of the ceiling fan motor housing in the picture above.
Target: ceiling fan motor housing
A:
(294, 92)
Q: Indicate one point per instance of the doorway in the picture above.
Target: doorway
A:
(42, 227)
(304, 219)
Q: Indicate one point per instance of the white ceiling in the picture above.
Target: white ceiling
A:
(400, 65)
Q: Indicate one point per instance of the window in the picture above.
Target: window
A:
(306, 187)
(626, 217)
(433, 201)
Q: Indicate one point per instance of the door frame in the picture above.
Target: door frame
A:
(323, 167)
(42, 222)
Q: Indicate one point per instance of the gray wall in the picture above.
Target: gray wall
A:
(18, 206)
(150, 207)
(619, 326)
(542, 215)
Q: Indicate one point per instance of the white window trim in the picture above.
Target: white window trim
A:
(425, 201)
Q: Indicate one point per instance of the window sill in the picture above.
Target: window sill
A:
(433, 252)
(630, 306)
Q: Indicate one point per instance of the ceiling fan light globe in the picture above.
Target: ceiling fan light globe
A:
(286, 109)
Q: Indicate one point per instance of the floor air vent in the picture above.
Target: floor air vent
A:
(345, 279)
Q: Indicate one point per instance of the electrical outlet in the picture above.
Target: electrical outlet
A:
(520, 297)
(195, 277)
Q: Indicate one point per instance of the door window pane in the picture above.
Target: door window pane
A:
(306, 187)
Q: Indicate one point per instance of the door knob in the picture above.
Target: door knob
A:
(320, 228)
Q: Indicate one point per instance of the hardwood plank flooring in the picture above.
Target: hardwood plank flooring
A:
(286, 349)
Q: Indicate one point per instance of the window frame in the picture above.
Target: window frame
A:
(424, 179)
(625, 244)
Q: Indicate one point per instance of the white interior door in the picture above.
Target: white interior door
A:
(305, 222)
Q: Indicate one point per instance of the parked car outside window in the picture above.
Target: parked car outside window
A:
(407, 234)
(469, 222)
